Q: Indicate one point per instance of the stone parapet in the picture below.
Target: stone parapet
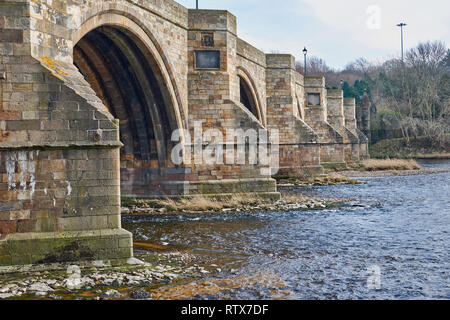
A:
(249, 52)
(335, 108)
(280, 61)
(212, 20)
(350, 113)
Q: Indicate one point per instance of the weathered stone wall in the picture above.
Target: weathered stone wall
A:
(335, 106)
(59, 146)
(251, 66)
(299, 108)
(299, 150)
(331, 141)
(351, 124)
(214, 101)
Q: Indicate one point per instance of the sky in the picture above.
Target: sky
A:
(338, 31)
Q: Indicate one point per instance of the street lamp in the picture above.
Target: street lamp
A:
(401, 25)
(305, 52)
(342, 84)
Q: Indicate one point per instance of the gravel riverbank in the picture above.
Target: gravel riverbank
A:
(133, 280)
(390, 173)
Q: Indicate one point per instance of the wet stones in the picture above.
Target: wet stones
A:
(140, 294)
(111, 294)
(40, 287)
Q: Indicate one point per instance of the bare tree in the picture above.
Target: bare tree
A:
(417, 91)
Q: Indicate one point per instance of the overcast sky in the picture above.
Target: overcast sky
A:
(338, 31)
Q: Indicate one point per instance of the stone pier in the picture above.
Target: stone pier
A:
(316, 115)
(336, 118)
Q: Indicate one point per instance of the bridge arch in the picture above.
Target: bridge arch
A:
(102, 15)
(130, 74)
(249, 95)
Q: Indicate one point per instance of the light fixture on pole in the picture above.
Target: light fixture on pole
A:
(401, 25)
(342, 84)
(305, 52)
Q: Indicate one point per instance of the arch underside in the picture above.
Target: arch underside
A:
(248, 99)
(127, 79)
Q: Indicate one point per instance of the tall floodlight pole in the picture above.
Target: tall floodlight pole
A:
(305, 52)
(401, 25)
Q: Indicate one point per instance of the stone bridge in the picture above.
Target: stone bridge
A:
(91, 94)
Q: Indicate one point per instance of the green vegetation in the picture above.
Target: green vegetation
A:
(359, 88)
(416, 148)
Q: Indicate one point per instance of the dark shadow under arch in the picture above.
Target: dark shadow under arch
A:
(247, 98)
(126, 77)
(131, 87)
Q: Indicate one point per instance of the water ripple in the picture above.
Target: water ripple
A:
(399, 224)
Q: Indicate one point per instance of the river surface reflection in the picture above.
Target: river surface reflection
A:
(399, 225)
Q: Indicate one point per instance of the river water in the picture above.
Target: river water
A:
(392, 242)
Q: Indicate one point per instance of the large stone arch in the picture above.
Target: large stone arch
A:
(249, 89)
(96, 18)
(127, 69)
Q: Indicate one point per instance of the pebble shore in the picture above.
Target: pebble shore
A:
(133, 280)
(390, 173)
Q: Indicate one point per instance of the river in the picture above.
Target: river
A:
(392, 242)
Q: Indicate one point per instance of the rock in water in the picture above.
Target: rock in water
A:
(134, 261)
(140, 294)
(40, 287)
(40, 294)
(6, 295)
(112, 294)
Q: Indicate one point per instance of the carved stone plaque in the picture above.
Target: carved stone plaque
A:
(207, 59)
(207, 39)
(313, 99)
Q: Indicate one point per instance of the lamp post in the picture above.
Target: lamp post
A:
(342, 84)
(305, 52)
(401, 25)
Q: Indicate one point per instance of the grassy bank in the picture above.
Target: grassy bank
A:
(388, 164)
(247, 203)
(400, 149)
(325, 180)
(195, 203)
